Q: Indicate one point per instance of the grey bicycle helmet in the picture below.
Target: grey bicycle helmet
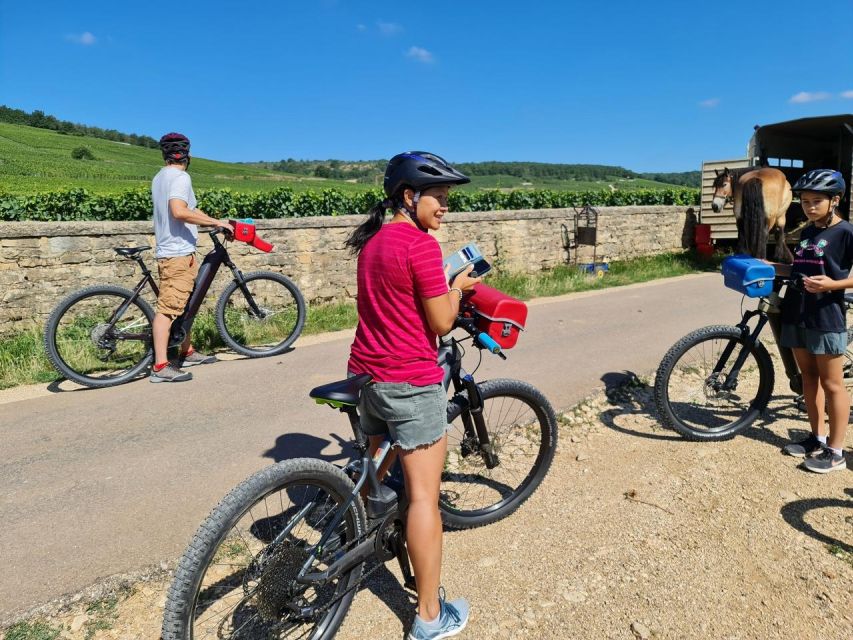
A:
(419, 170)
(821, 180)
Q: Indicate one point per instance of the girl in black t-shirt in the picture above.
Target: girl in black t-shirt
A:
(813, 320)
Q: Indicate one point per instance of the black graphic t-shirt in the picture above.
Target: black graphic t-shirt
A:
(821, 252)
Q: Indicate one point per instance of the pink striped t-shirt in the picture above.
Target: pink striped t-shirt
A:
(393, 342)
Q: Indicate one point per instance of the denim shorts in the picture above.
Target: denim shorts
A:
(413, 416)
(818, 343)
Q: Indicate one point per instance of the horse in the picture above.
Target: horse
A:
(761, 198)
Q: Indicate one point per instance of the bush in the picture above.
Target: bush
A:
(82, 153)
(79, 204)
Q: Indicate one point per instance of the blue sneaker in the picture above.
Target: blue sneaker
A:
(452, 618)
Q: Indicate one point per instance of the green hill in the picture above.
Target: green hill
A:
(37, 160)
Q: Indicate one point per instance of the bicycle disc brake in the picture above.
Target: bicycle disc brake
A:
(262, 314)
(715, 388)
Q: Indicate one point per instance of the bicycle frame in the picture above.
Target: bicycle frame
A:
(216, 257)
(768, 313)
(384, 504)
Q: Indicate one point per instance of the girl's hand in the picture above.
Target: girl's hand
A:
(464, 281)
(818, 284)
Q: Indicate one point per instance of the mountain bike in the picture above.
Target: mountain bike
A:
(716, 381)
(283, 554)
(101, 336)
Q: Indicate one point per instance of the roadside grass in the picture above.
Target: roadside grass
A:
(35, 630)
(23, 361)
(102, 614)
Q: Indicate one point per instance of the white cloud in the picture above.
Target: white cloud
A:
(847, 94)
(389, 28)
(420, 54)
(710, 103)
(809, 96)
(86, 38)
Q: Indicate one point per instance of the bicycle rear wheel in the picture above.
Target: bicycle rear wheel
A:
(263, 320)
(694, 391)
(522, 431)
(237, 577)
(96, 338)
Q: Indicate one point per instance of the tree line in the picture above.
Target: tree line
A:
(370, 171)
(41, 120)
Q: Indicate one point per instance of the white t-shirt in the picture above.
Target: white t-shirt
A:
(174, 238)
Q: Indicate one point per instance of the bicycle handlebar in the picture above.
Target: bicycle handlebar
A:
(481, 340)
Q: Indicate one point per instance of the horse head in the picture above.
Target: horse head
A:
(723, 188)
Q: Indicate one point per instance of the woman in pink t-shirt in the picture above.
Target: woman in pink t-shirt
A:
(403, 305)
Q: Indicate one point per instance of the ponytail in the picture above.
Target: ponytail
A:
(369, 228)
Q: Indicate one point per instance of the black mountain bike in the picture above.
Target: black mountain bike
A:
(284, 552)
(101, 336)
(714, 382)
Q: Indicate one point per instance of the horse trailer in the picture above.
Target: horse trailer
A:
(794, 147)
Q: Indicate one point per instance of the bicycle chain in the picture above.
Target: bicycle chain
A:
(350, 545)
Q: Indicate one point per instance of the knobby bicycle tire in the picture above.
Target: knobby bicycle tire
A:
(218, 550)
(723, 414)
(275, 329)
(523, 428)
(73, 342)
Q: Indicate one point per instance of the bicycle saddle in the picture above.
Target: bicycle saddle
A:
(130, 252)
(342, 392)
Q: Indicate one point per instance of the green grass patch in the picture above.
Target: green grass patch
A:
(102, 615)
(36, 630)
(568, 279)
(23, 361)
(840, 553)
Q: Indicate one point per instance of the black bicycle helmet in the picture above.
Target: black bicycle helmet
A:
(419, 170)
(821, 180)
(175, 147)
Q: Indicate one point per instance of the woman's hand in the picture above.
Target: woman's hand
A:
(464, 281)
(819, 284)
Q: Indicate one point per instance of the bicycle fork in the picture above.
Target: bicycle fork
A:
(750, 339)
(476, 435)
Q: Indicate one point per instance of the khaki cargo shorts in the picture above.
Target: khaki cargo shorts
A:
(177, 278)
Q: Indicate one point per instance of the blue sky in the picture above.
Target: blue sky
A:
(651, 86)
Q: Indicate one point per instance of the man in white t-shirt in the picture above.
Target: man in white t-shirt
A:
(175, 218)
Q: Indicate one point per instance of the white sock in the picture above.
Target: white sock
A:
(431, 624)
(822, 439)
(836, 452)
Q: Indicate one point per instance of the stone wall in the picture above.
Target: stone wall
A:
(41, 262)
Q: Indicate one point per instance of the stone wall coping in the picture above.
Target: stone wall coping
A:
(34, 229)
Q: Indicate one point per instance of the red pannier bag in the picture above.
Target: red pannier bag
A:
(245, 232)
(500, 316)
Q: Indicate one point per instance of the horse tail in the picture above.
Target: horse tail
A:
(754, 218)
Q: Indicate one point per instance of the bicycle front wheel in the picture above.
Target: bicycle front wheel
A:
(522, 432)
(237, 578)
(264, 317)
(100, 336)
(699, 395)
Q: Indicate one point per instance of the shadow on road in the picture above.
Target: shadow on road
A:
(794, 513)
(630, 396)
(303, 445)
